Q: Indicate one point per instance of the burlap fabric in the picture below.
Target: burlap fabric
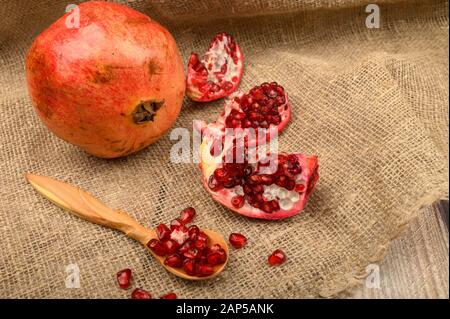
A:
(372, 103)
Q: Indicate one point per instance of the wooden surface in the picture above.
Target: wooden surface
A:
(417, 264)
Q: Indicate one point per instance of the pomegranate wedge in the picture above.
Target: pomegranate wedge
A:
(264, 110)
(275, 187)
(218, 73)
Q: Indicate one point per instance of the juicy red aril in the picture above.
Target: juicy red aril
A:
(277, 258)
(187, 215)
(237, 240)
(185, 247)
(174, 261)
(163, 232)
(193, 253)
(204, 270)
(189, 266)
(171, 246)
(216, 257)
(202, 236)
(139, 293)
(200, 244)
(193, 232)
(157, 247)
(170, 295)
(124, 278)
(237, 201)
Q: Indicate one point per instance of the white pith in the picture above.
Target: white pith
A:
(217, 57)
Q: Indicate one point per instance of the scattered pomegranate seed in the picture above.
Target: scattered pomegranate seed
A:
(237, 240)
(124, 278)
(170, 295)
(187, 215)
(277, 258)
(139, 293)
(157, 247)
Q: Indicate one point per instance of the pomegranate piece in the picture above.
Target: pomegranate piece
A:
(170, 295)
(218, 73)
(124, 277)
(276, 186)
(260, 115)
(187, 215)
(276, 258)
(157, 247)
(174, 261)
(163, 232)
(193, 253)
(237, 240)
(139, 293)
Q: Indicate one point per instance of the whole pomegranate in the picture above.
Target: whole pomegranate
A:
(112, 84)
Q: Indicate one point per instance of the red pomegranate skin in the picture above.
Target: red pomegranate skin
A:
(89, 84)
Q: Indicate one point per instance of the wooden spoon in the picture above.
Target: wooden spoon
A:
(86, 206)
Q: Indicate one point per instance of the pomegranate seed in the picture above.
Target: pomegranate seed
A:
(266, 179)
(193, 232)
(187, 215)
(124, 278)
(200, 244)
(281, 180)
(237, 240)
(290, 185)
(216, 258)
(277, 258)
(189, 266)
(170, 295)
(204, 270)
(202, 236)
(216, 247)
(299, 188)
(174, 261)
(185, 247)
(220, 174)
(139, 293)
(171, 246)
(193, 253)
(213, 184)
(157, 247)
(163, 232)
(237, 201)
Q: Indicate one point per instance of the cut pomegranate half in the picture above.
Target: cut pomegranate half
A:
(256, 116)
(218, 73)
(275, 187)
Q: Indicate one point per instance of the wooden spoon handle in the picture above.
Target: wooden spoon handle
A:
(84, 205)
